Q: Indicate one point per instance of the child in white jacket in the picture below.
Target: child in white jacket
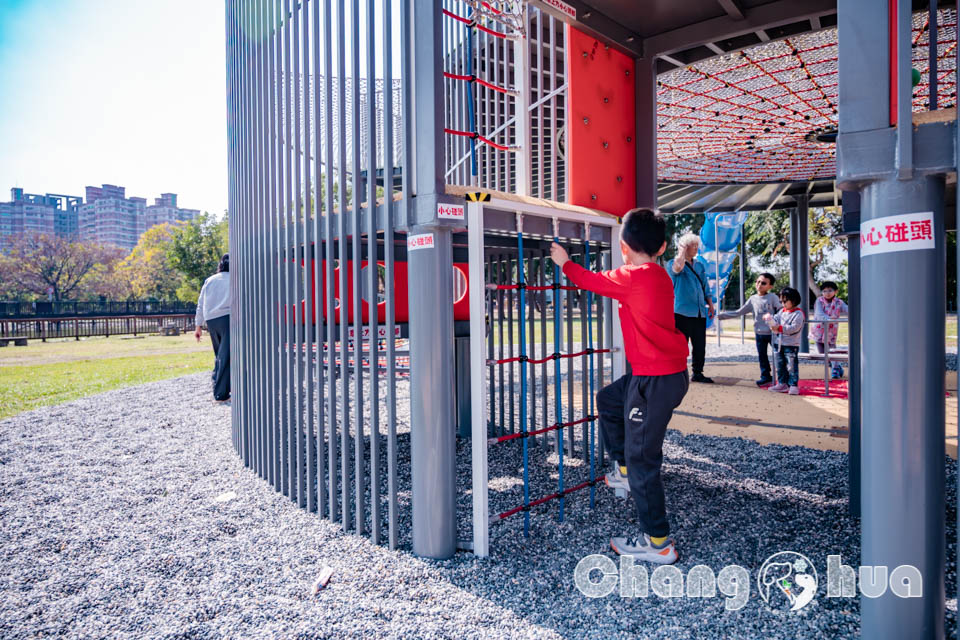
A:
(787, 327)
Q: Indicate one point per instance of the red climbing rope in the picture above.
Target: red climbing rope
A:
(527, 434)
(552, 356)
(477, 136)
(552, 496)
(480, 81)
(473, 23)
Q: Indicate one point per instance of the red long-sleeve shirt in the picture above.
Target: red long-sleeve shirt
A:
(651, 341)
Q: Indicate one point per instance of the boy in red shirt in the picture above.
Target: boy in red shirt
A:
(635, 410)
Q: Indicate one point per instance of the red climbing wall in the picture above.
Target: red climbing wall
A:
(601, 144)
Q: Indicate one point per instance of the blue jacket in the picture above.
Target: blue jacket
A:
(690, 291)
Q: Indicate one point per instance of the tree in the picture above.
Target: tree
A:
(768, 243)
(42, 262)
(194, 250)
(147, 268)
(105, 280)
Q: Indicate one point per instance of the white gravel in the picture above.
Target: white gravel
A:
(117, 523)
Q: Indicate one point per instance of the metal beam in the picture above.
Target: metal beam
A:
(762, 35)
(763, 17)
(778, 193)
(732, 7)
(597, 24)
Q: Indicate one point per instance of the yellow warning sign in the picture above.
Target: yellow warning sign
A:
(478, 196)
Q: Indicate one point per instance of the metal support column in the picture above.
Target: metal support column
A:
(433, 436)
(800, 259)
(646, 109)
(902, 349)
(903, 403)
(851, 227)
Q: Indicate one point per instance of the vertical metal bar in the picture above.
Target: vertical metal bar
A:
(300, 247)
(521, 80)
(501, 278)
(319, 255)
(388, 259)
(264, 366)
(277, 309)
(532, 348)
(743, 283)
(373, 271)
(541, 189)
(510, 367)
(523, 379)
(903, 65)
(329, 255)
(584, 346)
(716, 269)
(359, 506)
(571, 432)
(933, 54)
(558, 395)
(478, 440)
(344, 283)
(554, 174)
(589, 373)
(491, 335)
(309, 257)
(543, 347)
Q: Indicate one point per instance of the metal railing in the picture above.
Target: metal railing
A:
(85, 327)
(78, 308)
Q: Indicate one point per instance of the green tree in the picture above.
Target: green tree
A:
(147, 268)
(194, 251)
(768, 243)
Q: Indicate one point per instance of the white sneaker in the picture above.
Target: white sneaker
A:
(617, 480)
(794, 391)
(778, 388)
(642, 548)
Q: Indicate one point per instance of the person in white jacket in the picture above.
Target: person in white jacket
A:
(213, 309)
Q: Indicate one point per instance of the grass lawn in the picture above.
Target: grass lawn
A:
(44, 374)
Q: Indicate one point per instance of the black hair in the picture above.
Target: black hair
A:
(830, 284)
(769, 277)
(790, 294)
(224, 266)
(644, 231)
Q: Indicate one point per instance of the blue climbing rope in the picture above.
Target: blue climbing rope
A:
(523, 385)
(470, 115)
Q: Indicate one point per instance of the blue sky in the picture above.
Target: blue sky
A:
(127, 92)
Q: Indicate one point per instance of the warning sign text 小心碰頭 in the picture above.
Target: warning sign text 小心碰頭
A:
(420, 241)
(905, 232)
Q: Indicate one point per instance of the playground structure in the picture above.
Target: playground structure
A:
(501, 126)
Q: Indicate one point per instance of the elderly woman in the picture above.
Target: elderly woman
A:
(692, 301)
(213, 309)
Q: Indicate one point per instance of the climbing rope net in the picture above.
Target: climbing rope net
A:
(756, 115)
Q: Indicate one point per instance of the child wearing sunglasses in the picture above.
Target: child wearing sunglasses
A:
(761, 303)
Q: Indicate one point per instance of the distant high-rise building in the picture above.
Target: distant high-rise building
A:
(107, 217)
(49, 213)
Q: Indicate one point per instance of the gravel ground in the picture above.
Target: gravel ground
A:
(113, 528)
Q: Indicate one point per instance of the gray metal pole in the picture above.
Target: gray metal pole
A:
(743, 284)
(903, 402)
(803, 263)
(432, 437)
(851, 226)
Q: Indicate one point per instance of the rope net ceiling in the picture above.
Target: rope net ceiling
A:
(746, 116)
